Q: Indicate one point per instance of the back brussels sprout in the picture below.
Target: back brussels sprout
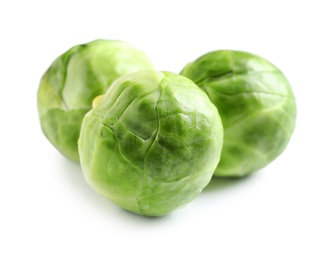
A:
(256, 105)
(72, 81)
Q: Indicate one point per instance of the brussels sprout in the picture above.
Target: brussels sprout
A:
(68, 87)
(151, 143)
(256, 105)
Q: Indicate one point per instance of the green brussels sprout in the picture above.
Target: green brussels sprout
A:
(256, 105)
(151, 143)
(74, 79)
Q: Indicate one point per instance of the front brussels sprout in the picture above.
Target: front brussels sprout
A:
(151, 143)
(256, 105)
(73, 80)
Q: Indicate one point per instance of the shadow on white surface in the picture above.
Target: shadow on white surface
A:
(73, 180)
(218, 184)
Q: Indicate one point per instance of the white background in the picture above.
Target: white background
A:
(49, 212)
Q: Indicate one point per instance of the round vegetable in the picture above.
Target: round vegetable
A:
(151, 143)
(73, 80)
(256, 105)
